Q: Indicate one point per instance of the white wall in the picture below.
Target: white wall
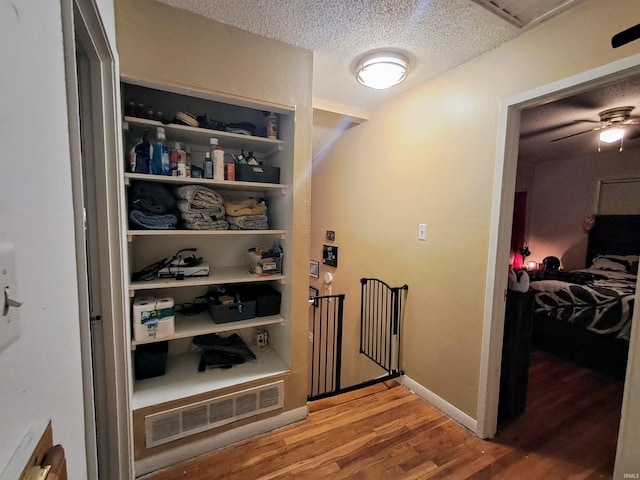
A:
(40, 374)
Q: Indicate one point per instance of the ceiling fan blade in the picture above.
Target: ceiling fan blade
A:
(574, 134)
(626, 36)
(553, 128)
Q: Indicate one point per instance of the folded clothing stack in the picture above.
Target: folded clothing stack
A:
(246, 214)
(201, 208)
(221, 352)
(152, 207)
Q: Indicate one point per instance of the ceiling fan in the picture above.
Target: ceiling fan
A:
(613, 125)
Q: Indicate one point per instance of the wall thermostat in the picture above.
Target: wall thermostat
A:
(328, 277)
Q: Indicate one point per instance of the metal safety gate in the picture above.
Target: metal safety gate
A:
(380, 314)
(325, 335)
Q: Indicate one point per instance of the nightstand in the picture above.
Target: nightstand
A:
(514, 373)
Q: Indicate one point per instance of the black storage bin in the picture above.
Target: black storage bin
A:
(151, 360)
(267, 301)
(231, 312)
(256, 173)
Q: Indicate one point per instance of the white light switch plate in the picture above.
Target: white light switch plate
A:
(9, 323)
(422, 231)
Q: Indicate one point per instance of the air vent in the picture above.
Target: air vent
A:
(163, 427)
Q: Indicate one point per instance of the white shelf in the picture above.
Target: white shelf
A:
(217, 276)
(217, 184)
(169, 233)
(182, 378)
(201, 136)
(200, 324)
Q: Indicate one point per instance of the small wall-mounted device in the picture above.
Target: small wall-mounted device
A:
(331, 235)
(330, 255)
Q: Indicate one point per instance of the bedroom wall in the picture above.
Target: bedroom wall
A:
(562, 194)
(429, 157)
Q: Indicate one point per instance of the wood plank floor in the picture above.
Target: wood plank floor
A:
(568, 431)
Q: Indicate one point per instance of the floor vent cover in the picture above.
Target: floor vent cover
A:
(180, 422)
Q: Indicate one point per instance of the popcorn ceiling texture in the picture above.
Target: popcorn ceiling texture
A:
(436, 35)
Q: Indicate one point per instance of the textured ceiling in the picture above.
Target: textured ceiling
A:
(437, 35)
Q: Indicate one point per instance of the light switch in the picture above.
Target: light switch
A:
(422, 231)
(9, 321)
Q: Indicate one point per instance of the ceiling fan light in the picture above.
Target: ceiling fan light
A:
(382, 70)
(611, 135)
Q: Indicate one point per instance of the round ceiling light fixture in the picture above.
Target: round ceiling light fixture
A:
(382, 70)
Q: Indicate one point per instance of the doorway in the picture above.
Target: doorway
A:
(94, 144)
(506, 170)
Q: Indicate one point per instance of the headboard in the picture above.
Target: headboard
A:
(614, 235)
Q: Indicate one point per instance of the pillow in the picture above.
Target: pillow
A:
(616, 263)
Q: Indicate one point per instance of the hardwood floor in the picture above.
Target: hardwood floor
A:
(568, 431)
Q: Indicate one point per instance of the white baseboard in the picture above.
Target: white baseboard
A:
(445, 407)
(206, 445)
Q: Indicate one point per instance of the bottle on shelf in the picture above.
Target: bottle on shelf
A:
(272, 126)
(182, 160)
(217, 156)
(208, 165)
(160, 164)
(173, 160)
(187, 151)
(141, 155)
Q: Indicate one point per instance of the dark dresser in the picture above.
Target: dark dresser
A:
(515, 356)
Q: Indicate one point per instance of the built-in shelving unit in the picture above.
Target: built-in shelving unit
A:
(225, 251)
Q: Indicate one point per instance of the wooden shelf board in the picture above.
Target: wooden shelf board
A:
(200, 324)
(182, 378)
(217, 276)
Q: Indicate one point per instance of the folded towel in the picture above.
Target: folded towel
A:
(241, 208)
(153, 222)
(216, 211)
(203, 221)
(199, 196)
(248, 222)
(151, 197)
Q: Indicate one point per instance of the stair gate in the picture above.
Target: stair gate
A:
(380, 314)
(325, 335)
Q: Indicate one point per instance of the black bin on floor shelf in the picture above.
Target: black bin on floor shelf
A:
(151, 360)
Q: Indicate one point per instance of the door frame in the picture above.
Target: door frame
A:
(500, 236)
(82, 24)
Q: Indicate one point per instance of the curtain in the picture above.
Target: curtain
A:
(517, 229)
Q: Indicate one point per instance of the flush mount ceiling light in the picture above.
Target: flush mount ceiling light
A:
(382, 70)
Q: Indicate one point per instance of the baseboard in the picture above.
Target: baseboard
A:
(200, 447)
(445, 407)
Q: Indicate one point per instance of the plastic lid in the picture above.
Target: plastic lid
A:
(213, 141)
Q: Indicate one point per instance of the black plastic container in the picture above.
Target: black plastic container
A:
(151, 360)
(255, 173)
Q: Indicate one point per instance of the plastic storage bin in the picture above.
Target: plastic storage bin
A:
(151, 360)
(266, 264)
(257, 173)
(222, 312)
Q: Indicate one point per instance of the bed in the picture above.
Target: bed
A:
(585, 315)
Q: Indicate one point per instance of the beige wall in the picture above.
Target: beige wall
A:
(165, 45)
(429, 157)
(562, 194)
